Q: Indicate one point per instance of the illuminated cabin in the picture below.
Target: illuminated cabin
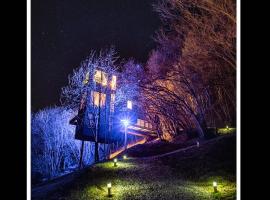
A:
(99, 120)
(95, 115)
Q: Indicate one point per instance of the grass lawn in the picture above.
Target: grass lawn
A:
(183, 175)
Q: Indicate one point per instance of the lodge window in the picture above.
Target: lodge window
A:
(129, 104)
(143, 123)
(140, 122)
(146, 124)
(100, 77)
(95, 98)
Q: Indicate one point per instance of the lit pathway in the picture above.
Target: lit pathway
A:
(186, 148)
(116, 153)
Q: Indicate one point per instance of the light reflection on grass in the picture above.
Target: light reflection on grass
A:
(126, 188)
(204, 189)
(109, 165)
(157, 179)
(126, 184)
(226, 130)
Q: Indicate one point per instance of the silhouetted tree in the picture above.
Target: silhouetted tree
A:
(191, 74)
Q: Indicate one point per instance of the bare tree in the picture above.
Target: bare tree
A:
(53, 149)
(191, 74)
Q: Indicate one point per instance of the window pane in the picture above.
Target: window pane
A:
(97, 76)
(142, 123)
(100, 77)
(129, 105)
(95, 98)
(103, 99)
(146, 124)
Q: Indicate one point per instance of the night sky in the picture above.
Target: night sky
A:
(64, 32)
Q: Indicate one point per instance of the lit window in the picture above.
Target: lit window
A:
(113, 83)
(140, 122)
(95, 98)
(129, 104)
(146, 124)
(104, 78)
(97, 76)
(112, 102)
(100, 77)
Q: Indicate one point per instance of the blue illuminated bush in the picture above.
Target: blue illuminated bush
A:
(54, 151)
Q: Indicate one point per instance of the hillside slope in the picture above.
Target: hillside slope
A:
(183, 175)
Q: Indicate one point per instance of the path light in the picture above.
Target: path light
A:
(115, 162)
(124, 157)
(215, 186)
(125, 122)
(227, 127)
(198, 144)
(109, 186)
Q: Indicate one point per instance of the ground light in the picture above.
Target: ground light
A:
(215, 186)
(125, 157)
(109, 186)
(198, 144)
(227, 127)
(115, 162)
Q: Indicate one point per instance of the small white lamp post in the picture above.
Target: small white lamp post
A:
(115, 162)
(109, 186)
(215, 186)
(124, 157)
(198, 144)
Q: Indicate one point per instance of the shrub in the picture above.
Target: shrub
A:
(54, 149)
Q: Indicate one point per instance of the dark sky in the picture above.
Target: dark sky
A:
(64, 32)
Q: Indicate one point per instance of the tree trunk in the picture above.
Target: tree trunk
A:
(81, 156)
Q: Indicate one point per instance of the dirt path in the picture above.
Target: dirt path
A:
(185, 149)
